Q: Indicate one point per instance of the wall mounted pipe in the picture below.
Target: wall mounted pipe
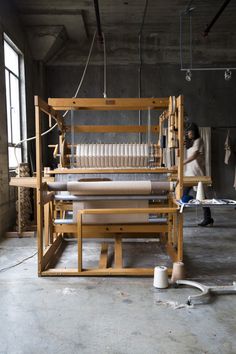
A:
(215, 18)
(99, 27)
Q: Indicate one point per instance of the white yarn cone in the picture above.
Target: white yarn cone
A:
(160, 277)
(200, 192)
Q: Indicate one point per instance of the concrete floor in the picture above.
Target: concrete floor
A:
(121, 315)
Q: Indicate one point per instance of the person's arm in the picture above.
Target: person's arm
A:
(191, 158)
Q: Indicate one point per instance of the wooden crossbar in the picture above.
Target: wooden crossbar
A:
(130, 211)
(111, 104)
(126, 129)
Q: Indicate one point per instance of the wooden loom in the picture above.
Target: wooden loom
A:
(51, 235)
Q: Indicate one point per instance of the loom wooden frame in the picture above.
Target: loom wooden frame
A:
(50, 236)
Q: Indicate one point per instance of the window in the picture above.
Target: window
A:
(14, 81)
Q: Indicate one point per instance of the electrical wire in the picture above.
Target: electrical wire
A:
(34, 137)
(180, 41)
(75, 95)
(86, 65)
(185, 12)
(84, 72)
(29, 139)
(144, 16)
(20, 262)
(190, 41)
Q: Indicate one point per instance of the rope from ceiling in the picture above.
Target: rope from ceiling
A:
(140, 35)
(75, 95)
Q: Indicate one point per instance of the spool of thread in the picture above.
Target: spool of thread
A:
(45, 171)
(177, 272)
(160, 280)
(200, 192)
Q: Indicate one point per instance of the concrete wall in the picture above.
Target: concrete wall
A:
(9, 24)
(209, 101)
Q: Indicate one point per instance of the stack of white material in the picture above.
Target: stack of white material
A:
(114, 155)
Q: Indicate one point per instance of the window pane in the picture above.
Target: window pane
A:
(15, 109)
(8, 106)
(11, 58)
(13, 162)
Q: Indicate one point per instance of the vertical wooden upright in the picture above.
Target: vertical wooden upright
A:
(180, 237)
(179, 191)
(39, 185)
(80, 245)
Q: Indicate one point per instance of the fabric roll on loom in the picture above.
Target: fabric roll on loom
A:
(113, 187)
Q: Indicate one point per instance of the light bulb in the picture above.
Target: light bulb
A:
(188, 76)
(228, 74)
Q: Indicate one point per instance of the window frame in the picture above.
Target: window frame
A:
(22, 104)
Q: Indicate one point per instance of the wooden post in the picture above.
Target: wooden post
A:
(180, 237)
(51, 222)
(79, 235)
(46, 223)
(39, 188)
(179, 189)
(170, 221)
(104, 256)
(19, 210)
(118, 252)
(175, 230)
(160, 139)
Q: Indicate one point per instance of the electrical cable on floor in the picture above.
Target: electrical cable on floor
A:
(15, 265)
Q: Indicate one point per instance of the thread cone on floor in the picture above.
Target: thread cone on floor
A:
(177, 272)
(160, 280)
(200, 192)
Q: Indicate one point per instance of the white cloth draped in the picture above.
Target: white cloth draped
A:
(205, 133)
(227, 148)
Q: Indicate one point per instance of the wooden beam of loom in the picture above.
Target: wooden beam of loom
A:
(102, 272)
(47, 109)
(110, 170)
(162, 210)
(189, 181)
(103, 231)
(112, 128)
(111, 104)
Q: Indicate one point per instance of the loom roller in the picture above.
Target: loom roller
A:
(113, 187)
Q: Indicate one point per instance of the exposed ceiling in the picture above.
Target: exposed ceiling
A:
(66, 27)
